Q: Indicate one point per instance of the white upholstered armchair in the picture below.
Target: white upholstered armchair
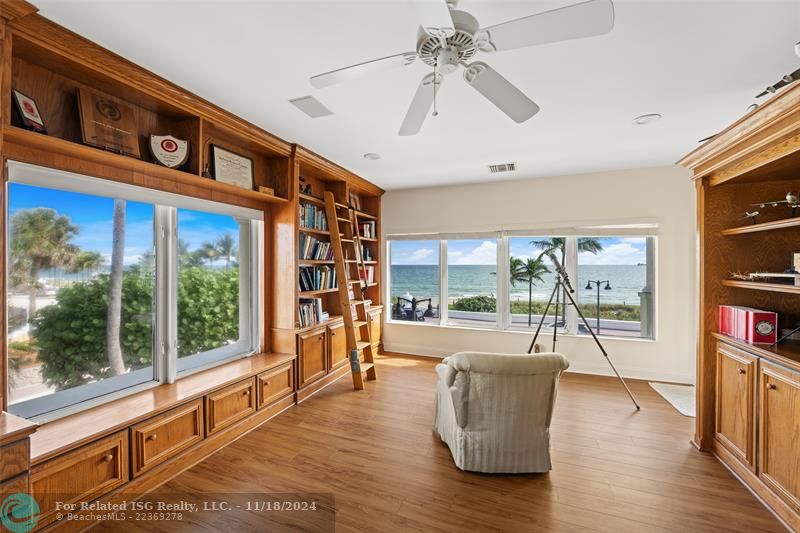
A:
(494, 410)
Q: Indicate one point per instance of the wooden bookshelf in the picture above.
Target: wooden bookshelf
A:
(785, 288)
(774, 225)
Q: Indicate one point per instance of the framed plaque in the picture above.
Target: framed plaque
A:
(169, 151)
(108, 123)
(28, 112)
(232, 168)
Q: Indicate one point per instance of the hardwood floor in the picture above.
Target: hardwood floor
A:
(614, 470)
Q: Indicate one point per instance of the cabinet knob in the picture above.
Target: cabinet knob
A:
(333, 334)
(742, 371)
(321, 339)
(245, 392)
(108, 458)
(152, 437)
(771, 386)
(267, 383)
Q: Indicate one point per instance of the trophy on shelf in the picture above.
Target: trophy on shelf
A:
(169, 151)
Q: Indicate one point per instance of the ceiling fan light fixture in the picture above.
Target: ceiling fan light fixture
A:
(643, 120)
(372, 156)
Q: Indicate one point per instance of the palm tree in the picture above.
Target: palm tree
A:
(226, 247)
(528, 271)
(41, 240)
(208, 251)
(114, 313)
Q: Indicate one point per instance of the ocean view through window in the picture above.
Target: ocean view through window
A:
(471, 277)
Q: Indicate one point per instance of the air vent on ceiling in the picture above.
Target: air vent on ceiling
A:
(311, 106)
(502, 167)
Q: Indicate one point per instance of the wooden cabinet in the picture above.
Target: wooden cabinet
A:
(337, 346)
(21, 483)
(735, 407)
(229, 405)
(156, 440)
(779, 417)
(313, 357)
(81, 475)
(274, 384)
(14, 458)
(375, 326)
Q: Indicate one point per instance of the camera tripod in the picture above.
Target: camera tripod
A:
(563, 283)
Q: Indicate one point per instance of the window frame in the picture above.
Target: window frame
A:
(648, 230)
(165, 367)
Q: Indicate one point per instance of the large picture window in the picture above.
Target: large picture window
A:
(111, 288)
(506, 280)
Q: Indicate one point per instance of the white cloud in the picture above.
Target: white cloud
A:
(484, 254)
(622, 253)
(420, 254)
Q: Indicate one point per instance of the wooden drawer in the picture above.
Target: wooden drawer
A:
(156, 440)
(14, 459)
(20, 483)
(81, 475)
(337, 346)
(274, 384)
(230, 405)
(313, 356)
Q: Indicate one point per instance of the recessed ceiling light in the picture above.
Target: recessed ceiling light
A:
(372, 156)
(649, 118)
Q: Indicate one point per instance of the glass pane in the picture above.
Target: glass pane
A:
(532, 276)
(80, 297)
(208, 282)
(472, 281)
(613, 289)
(414, 279)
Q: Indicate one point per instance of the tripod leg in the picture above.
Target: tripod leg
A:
(605, 354)
(539, 328)
(555, 315)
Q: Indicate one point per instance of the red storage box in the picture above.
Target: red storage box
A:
(748, 324)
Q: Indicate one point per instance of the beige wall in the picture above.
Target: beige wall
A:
(664, 195)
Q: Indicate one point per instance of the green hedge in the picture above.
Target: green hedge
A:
(488, 304)
(70, 335)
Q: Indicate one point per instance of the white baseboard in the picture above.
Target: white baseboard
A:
(601, 368)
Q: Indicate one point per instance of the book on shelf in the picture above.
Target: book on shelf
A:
(317, 278)
(366, 253)
(367, 229)
(311, 312)
(312, 248)
(313, 217)
(368, 274)
(748, 324)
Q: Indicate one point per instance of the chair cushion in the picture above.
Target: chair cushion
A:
(515, 364)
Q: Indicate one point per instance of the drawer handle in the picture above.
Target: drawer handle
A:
(742, 371)
(108, 458)
(152, 437)
(245, 392)
(267, 383)
(321, 339)
(771, 386)
(333, 334)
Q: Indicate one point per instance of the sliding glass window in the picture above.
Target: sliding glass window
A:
(532, 280)
(472, 281)
(414, 281)
(113, 288)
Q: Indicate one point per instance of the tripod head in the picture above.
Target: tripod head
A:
(561, 271)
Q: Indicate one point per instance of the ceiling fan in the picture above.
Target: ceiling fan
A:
(448, 38)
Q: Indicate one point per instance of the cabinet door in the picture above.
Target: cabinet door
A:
(274, 384)
(337, 345)
(735, 409)
(166, 435)
(779, 461)
(313, 358)
(229, 405)
(375, 326)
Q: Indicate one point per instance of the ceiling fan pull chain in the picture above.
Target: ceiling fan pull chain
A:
(435, 112)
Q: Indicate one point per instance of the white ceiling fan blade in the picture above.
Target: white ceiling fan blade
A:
(586, 19)
(420, 105)
(435, 18)
(362, 69)
(500, 91)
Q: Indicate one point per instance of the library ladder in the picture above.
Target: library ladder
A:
(345, 239)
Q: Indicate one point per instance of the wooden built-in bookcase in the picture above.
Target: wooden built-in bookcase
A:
(213, 407)
(748, 395)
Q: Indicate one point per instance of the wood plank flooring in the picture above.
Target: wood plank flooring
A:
(614, 470)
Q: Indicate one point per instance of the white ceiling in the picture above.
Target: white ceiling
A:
(698, 63)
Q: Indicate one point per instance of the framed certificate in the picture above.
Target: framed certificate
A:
(232, 168)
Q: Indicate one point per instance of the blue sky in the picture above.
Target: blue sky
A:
(93, 216)
(616, 251)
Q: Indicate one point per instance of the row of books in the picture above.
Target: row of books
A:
(313, 217)
(367, 229)
(748, 324)
(366, 253)
(311, 312)
(317, 278)
(313, 248)
(369, 274)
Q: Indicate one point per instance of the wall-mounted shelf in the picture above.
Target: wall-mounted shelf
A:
(306, 294)
(761, 286)
(362, 214)
(764, 226)
(315, 231)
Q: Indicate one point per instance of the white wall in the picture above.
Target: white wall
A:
(664, 195)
